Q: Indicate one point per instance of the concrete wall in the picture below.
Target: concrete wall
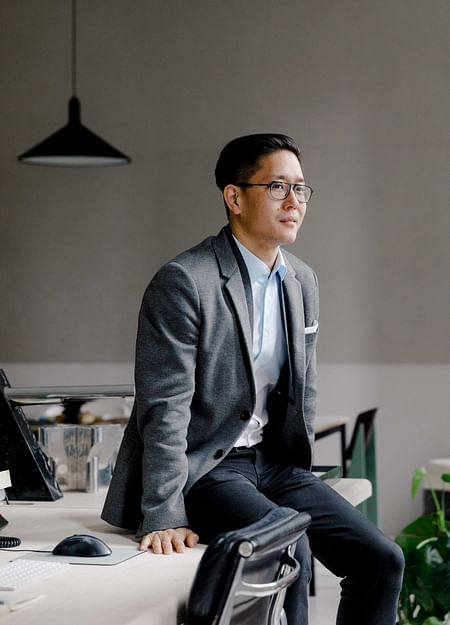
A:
(362, 86)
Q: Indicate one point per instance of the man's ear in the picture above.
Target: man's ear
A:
(231, 195)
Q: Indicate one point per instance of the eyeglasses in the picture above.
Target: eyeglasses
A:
(280, 190)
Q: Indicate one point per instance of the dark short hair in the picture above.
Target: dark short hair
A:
(239, 159)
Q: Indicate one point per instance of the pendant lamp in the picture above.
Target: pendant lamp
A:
(74, 145)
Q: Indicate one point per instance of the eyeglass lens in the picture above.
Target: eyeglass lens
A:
(280, 191)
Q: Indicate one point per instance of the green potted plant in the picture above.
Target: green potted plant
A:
(425, 595)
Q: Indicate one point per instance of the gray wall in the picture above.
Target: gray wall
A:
(363, 86)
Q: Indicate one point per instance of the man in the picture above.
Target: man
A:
(222, 428)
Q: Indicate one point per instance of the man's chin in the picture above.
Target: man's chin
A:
(289, 239)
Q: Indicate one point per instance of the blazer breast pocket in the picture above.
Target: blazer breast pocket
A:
(312, 329)
(311, 333)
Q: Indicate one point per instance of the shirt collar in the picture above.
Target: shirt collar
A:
(257, 269)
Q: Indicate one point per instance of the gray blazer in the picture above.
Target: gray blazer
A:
(194, 383)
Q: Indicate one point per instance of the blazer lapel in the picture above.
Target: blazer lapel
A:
(235, 288)
(238, 287)
(295, 326)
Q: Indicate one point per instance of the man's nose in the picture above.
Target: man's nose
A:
(291, 199)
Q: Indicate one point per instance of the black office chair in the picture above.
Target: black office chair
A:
(243, 575)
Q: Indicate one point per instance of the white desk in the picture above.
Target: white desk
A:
(146, 590)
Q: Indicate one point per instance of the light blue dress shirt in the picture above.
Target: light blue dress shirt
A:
(269, 340)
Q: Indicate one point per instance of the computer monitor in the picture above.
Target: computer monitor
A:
(32, 474)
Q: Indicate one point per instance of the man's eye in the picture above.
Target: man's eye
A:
(278, 186)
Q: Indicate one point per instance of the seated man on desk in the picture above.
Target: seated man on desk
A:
(222, 427)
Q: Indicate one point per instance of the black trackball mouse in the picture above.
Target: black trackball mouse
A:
(82, 545)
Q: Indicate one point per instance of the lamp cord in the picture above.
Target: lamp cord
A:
(74, 47)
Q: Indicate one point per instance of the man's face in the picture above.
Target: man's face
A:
(261, 223)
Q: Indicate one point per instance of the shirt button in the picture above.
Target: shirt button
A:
(245, 415)
(218, 454)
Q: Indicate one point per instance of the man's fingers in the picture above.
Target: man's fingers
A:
(178, 544)
(166, 544)
(145, 542)
(168, 541)
(192, 539)
(156, 544)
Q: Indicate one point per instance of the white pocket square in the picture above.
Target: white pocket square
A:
(312, 329)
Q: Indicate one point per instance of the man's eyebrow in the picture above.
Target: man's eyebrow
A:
(282, 178)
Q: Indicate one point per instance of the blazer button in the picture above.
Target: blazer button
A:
(245, 415)
(218, 454)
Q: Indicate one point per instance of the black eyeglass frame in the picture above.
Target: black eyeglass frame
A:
(270, 184)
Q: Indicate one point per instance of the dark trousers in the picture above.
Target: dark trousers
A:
(244, 487)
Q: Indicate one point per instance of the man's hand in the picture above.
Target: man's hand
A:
(168, 541)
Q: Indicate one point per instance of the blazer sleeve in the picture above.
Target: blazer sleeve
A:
(166, 351)
(310, 393)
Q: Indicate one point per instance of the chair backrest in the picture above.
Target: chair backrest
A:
(243, 575)
(365, 420)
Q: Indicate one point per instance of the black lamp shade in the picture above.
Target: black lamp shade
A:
(74, 145)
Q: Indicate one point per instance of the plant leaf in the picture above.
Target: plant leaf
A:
(422, 528)
(425, 594)
(417, 480)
